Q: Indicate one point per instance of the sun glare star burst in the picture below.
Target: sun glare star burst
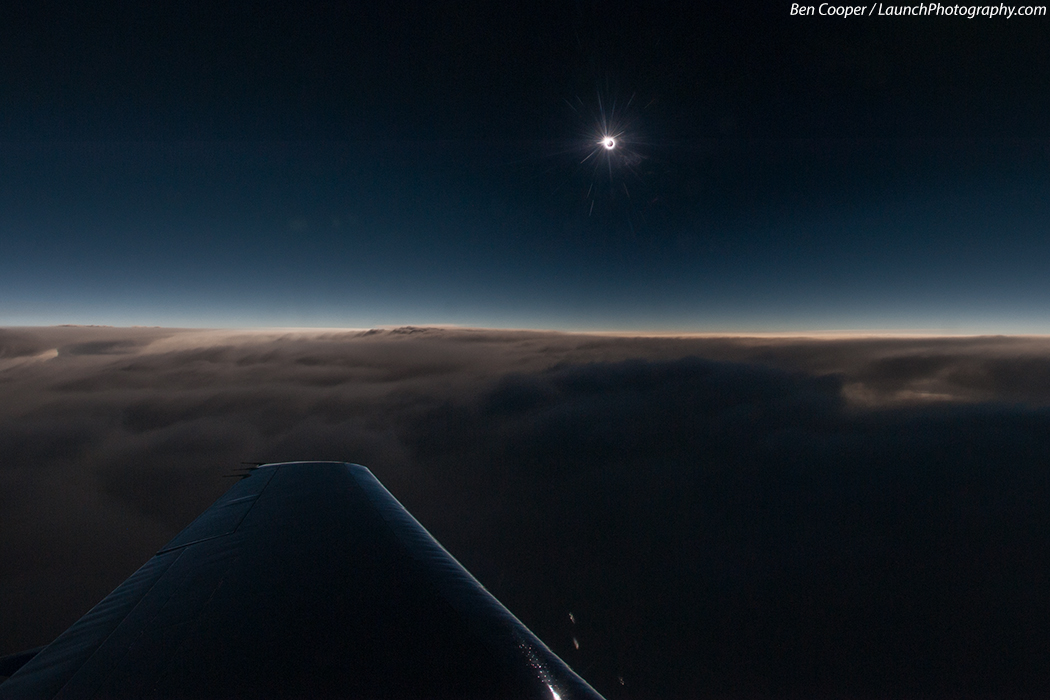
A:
(612, 157)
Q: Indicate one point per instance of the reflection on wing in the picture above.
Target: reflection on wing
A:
(306, 579)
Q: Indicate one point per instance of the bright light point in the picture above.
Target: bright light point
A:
(553, 692)
(609, 142)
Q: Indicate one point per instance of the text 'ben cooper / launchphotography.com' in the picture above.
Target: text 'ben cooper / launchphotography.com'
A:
(926, 9)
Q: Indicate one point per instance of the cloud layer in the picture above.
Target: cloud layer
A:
(721, 516)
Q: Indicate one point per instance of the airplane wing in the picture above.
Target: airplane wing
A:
(306, 579)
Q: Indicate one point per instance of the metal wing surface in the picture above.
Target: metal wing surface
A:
(306, 579)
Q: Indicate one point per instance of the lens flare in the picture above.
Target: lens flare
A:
(613, 157)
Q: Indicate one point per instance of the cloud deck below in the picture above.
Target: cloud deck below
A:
(723, 517)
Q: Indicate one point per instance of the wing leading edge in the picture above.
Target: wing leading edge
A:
(306, 579)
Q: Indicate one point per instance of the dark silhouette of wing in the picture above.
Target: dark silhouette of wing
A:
(307, 579)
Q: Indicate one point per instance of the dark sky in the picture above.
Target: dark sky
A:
(360, 164)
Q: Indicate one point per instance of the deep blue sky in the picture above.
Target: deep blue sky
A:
(223, 164)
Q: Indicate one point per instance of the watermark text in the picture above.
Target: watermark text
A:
(923, 9)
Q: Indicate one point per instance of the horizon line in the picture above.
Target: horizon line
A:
(822, 334)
